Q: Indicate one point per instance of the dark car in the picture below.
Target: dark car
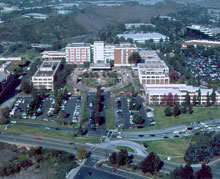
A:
(176, 136)
(57, 128)
(165, 137)
(140, 135)
(152, 135)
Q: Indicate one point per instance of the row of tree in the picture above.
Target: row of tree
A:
(177, 110)
(171, 100)
(205, 147)
(187, 172)
(151, 164)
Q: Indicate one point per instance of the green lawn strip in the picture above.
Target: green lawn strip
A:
(174, 148)
(23, 130)
(130, 150)
(41, 122)
(199, 114)
(128, 88)
(110, 118)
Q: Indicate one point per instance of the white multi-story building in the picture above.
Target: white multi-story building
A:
(175, 93)
(53, 55)
(154, 71)
(98, 51)
(109, 52)
(78, 53)
(46, 75)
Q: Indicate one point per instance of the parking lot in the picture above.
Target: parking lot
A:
(206, 67)
(124, 114)
(71, 108)
(91, 104)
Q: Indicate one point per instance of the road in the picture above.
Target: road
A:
(97, 151)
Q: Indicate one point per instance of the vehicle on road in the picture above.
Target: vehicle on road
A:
(37, 138)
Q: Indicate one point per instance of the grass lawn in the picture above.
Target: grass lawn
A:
(110, 118)
(126, 89)
(49, 123)
(174, 148)
(199, 114)
(130, 150)
(47, 133)
(90, 82)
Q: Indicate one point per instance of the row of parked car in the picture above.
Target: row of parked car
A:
(76, 111)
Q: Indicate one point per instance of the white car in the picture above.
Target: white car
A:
(119, 137)
(176, 132)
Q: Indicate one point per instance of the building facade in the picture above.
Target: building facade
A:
(169, 95)
(122, 52)
(98, 51)
(46, 74)
(154, 71)
(78, 53)
(53, 55)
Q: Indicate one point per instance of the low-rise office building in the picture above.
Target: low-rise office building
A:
(171, 94)
(78, 53)
(142, 37)
(154, 71)
(122, 52)
(46, 74)
(195, 43)
(53, 55)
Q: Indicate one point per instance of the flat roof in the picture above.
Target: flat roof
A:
(142, 36)
(47, 68)
(152, 64)
(80, 44)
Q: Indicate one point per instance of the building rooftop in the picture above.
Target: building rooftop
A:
(47, 68)
(179, 91)
(81, 44)
(142, 36)
(152, 65)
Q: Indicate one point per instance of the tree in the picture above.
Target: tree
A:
(174, 76)
(167, 111)
(138, 120)
(82, 153)
(183, 109)
(113, 158)
(204, 172)
(213, 97)
(134, 58)
(208, 103)
(123, 157)
(190, 110)
(194, 100)
(176, 110)
(26, 87)
(170, 100)
(151, 164)
(199, 97)
(187, 99)
(185, 172)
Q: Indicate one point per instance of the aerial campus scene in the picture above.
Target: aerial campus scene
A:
(109, 89)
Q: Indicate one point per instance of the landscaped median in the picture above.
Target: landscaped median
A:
(23, 130)
(110, 118)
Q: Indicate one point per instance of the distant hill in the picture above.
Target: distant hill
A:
(204, 3)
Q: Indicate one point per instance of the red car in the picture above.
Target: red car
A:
(38, 138)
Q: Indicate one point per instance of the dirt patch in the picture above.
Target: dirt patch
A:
(33, 173)
(7, 155)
